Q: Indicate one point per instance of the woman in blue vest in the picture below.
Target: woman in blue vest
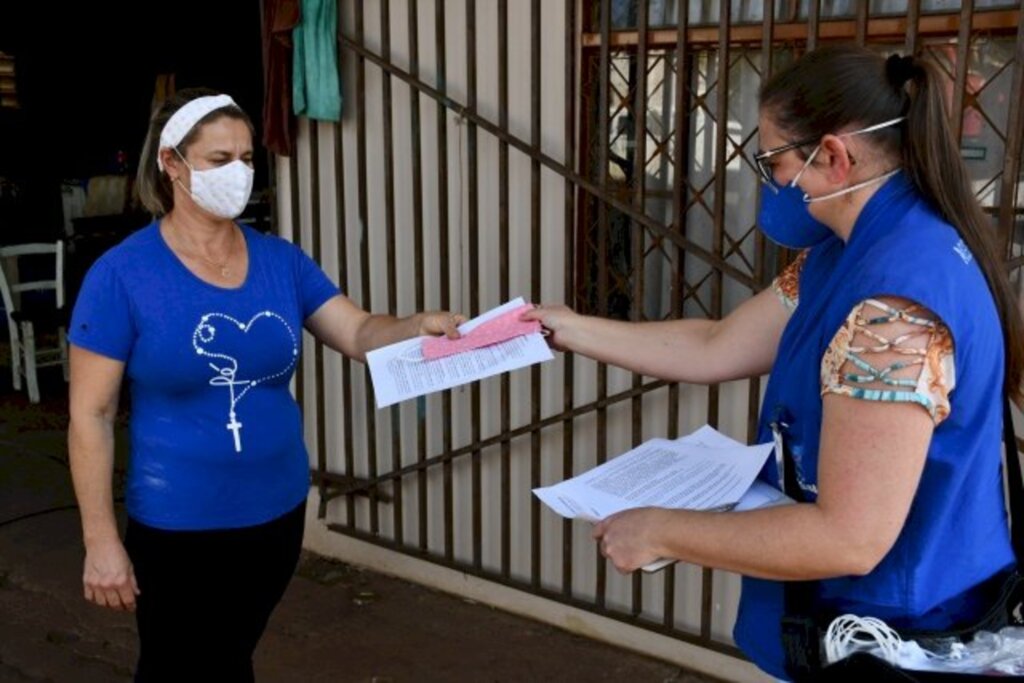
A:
(204, 317)
(892, 342)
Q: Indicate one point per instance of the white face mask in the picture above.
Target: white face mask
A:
(224, 190)
(853, 188)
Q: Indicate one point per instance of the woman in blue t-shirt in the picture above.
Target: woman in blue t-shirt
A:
(892, 342)
(204, 316)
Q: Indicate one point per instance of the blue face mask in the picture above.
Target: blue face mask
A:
(784, 218)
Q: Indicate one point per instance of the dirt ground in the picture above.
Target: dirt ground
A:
(336, 622)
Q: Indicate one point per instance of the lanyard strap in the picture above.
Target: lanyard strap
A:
(1015, 486)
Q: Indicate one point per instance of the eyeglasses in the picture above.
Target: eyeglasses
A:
(764, 170)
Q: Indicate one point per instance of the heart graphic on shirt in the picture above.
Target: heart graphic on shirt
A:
(220, 339)
(255, 348)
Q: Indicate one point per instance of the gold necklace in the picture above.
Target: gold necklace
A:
(222, 266)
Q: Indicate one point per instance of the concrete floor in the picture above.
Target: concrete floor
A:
(336, 623)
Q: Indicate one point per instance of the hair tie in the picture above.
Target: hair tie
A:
(899, 70)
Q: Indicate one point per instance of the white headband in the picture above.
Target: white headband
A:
(186, 118)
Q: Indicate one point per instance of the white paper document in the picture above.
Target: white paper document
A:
(400, 372)
(705, 470)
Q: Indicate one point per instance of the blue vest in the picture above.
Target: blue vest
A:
(956, 534)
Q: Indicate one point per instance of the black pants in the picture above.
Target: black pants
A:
(205, 596)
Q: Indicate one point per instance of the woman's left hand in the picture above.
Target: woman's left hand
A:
(627, 538)
(435, 323)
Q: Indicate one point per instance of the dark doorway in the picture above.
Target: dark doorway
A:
(86, 75)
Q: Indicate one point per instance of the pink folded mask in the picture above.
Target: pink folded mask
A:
(504, 327)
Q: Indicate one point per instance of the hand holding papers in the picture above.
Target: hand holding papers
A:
(703, 471)
(488, 333)
(400, 371)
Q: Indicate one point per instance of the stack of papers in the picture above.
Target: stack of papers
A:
(705, 470)
(400, 371)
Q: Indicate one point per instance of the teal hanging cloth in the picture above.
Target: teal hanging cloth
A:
(315, 90)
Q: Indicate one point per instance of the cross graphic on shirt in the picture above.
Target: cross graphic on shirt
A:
(235, 426)
(225, 366)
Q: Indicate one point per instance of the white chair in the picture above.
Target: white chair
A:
(26, 317)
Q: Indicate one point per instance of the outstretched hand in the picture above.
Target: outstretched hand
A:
(558, 320)
(436, 323)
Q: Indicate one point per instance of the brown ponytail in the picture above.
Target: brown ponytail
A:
(933, 161)
(835, 87)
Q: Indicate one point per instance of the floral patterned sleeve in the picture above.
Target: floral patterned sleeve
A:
(891, 349)
(787, 285)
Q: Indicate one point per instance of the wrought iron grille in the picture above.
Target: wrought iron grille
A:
(459, 163)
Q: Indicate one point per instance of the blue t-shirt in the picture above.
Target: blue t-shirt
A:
(216, 436)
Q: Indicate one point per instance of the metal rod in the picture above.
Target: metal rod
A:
(639, 235)
(963, 56)
(337, 485)
(365, 260)
(913, 29)
(473, 197)
(1010, 180)
(343, 279)
(419, 266)
(680, 155)
(603, 102)
(863, 8)
(813, 23)
(445, 287)
(536, 533)
(504, 284)
(318, 347)
(568, 380)
(392, 266)
(717, 284)
(760, 243)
